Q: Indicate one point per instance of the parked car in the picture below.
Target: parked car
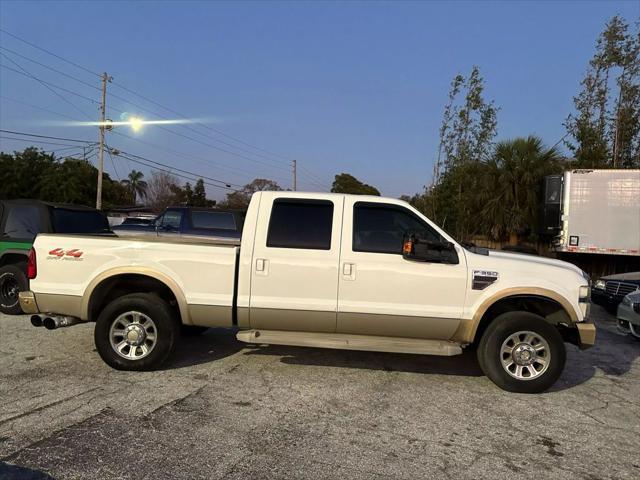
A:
(610, 290)
(629, 314)
(20, 222)
(320, 270)
(138, 221)
(189, 222)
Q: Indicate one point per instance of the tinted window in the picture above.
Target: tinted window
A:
(77, 221)
(24, 222)
(137, 221)
(300, 224)
(171, 219)
(219, 220)
(381, 228)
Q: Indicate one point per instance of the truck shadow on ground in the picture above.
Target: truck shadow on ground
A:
(464, 365)
(614, 354)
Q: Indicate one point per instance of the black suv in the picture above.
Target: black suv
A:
(610, 290)
(20, 222)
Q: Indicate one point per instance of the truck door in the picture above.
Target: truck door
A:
(294, 272)
(381, 293)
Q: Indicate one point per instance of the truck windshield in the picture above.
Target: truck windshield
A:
(79, 221)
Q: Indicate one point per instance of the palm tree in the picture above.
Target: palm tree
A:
(512, 183)
(136, 185)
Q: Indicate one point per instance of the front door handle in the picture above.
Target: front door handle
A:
(262, 266)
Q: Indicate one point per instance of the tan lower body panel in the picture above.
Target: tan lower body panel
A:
(292, 320)
(351, 342)
(210, 315)
(587, 333)
(28, 302)
(70, 305)
(435, 328)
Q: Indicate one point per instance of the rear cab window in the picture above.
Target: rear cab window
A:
(301, 224)
(202, 219)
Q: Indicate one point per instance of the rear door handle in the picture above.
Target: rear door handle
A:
(349, 271)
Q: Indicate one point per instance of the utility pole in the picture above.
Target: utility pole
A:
(295, 175)
(103, 111)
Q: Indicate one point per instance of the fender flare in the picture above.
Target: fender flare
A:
(144, 271)
(468, 328)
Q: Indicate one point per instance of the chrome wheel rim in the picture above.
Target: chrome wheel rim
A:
(525, 355)
(133, 335)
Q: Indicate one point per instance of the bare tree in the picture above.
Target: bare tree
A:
(161, 190)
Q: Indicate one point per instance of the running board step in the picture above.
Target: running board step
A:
(343, 341)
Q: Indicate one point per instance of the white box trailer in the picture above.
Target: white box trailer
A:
(599, 212)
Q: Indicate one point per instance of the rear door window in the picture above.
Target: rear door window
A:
(213, 220)
(23, 222)
(300, 224)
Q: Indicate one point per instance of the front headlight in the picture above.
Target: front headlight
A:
(600, 284)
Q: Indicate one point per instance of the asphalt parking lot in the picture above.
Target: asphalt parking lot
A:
(222, 409)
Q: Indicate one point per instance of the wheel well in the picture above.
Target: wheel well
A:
(545, 307)
(13, 259)
(119, 285)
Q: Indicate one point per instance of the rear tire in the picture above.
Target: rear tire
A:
(521, 352)
(12, 281)
(136, 332)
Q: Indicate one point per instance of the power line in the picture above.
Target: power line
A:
(238, 140)
(44, 136)
(133, 92)
(53, 85)
(37, 107)
(49, 68)
(113, 164)
(47, 51)
(201, 160)
(39, 141)
(224, 184)
(171, 170)
(44, 84)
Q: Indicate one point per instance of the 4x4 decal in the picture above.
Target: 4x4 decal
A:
(58, 253)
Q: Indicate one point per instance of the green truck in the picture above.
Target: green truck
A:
(20, 222)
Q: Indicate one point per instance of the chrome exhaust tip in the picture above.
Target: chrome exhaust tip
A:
(52, 323)
(36, 320)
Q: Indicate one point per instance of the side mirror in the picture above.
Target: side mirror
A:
(420, 250)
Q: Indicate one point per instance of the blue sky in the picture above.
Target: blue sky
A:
(340, 86)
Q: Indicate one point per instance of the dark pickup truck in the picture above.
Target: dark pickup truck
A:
(20, 222)
(189, 222)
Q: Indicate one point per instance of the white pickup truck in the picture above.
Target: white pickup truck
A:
(318, 270)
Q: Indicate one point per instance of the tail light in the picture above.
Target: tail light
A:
(32, 268)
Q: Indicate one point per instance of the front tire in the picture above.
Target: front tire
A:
(521, 352)
(12, 281)
(136, 332)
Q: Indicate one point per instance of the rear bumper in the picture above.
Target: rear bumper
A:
(28, 302)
